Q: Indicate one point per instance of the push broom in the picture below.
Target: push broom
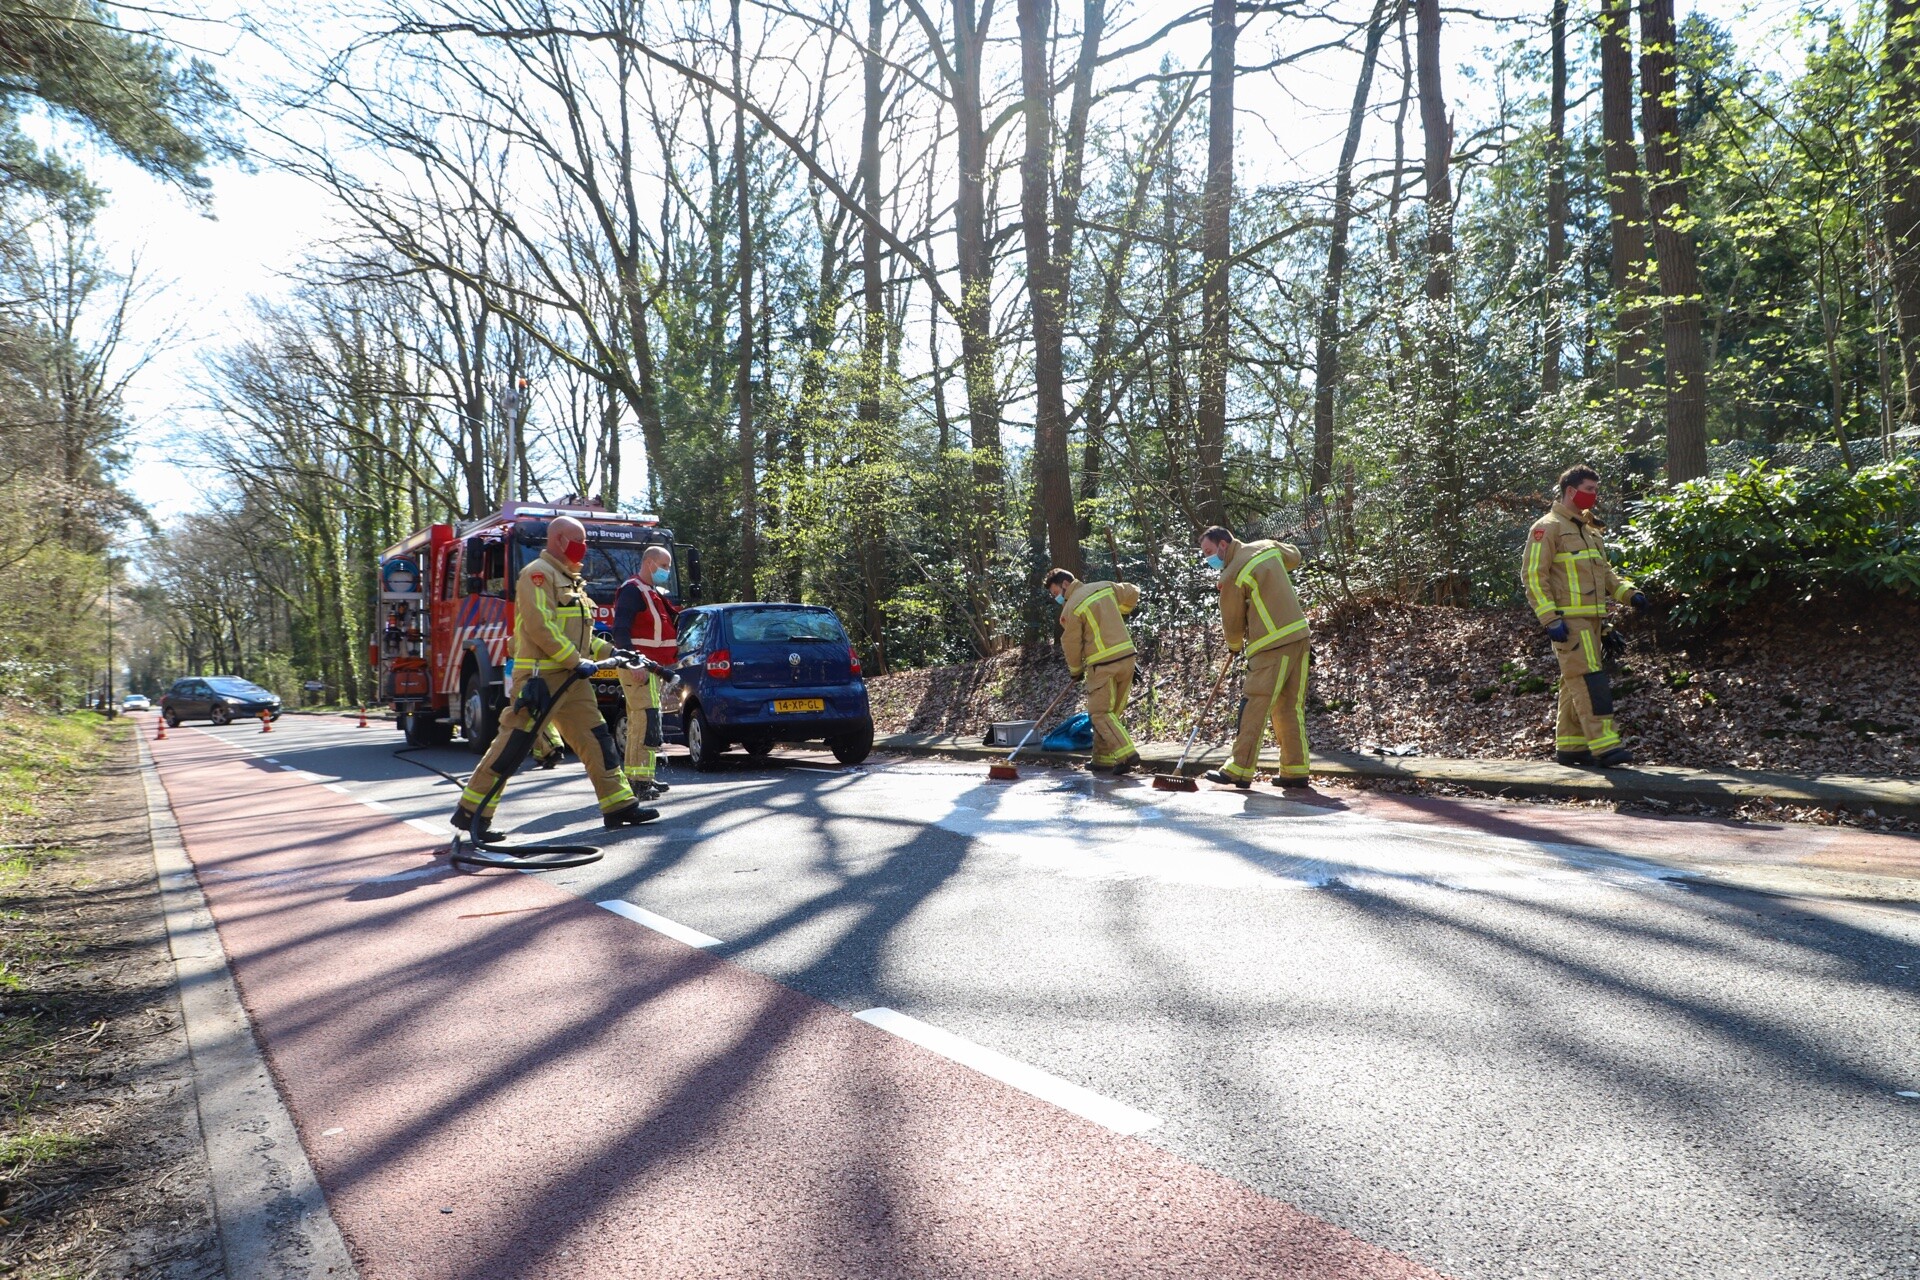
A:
(1178, 780)
(1004, 771)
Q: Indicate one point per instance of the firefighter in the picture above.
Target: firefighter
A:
(643, 620)
(1568, 580)
(553, 640)
(1093, 636)
(1264, 621)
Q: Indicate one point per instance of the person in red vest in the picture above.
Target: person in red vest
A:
(643, 620)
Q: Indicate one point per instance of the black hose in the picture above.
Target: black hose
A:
(514, 857)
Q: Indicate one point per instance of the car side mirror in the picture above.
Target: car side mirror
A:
(475, 584)
(475, 561)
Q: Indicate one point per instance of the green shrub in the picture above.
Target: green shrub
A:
(1720, 542)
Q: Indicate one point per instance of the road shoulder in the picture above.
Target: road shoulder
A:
(274, 1223)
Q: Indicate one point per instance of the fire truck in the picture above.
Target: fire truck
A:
(444, 617)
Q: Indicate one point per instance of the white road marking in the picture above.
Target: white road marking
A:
(336, 787)
(431, 828)
(1044, 1085)
(659, 924)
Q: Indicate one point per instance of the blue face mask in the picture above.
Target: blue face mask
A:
(1215, 563)
(661, 577)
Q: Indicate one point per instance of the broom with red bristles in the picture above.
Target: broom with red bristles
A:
(1178, 780)
(1004, 770)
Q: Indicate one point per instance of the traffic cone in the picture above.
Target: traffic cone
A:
(266, 722)
(160, 734)
(363, 717)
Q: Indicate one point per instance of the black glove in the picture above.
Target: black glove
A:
(1558, 632)
(535, 696)
(1639, 602)
(1614, 644)
(586, 669)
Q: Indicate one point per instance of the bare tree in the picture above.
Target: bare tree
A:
(1216, 254)
(1626, 209)
(1552, 330)
(1673, 246)
(1326, 343)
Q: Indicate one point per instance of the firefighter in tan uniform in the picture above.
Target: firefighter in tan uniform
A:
(1098, 649)
(552, 640)
(1264, 621)
(1569, 582)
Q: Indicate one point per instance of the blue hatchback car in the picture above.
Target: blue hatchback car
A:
(760, 674)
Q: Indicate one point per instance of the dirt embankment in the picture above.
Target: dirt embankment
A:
(1827, 687)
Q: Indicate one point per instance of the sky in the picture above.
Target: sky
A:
(263, 220)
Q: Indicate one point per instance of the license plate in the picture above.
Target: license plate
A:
(799, 704)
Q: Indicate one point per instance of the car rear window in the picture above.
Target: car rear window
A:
(784, 626)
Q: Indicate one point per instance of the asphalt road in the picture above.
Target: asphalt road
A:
(1498, 1042)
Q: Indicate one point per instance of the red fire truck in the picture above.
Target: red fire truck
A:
(444, 618)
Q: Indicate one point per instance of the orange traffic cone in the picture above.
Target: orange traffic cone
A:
(266, 722)
(160, 733)
(363, 717)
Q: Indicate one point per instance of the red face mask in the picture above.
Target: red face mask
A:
(1583, 501)
(574, 551)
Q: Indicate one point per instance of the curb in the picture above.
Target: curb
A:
(272, 1217)
(1896, 797)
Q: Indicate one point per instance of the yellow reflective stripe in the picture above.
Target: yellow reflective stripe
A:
(1275, 637)
(617, 799)
(1536, 582)
(1591, 649)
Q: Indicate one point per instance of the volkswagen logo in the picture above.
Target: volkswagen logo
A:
(793, 660)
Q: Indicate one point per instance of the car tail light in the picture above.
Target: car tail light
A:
(853, 657)
(720, 664)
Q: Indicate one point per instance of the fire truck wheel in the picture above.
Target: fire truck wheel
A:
(425, 731)
(479, 718)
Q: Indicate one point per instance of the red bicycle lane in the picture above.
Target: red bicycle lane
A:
(497, 1079)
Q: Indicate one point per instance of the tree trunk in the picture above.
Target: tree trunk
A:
(975, 309)
(1438, 410)
(1326, 345)
(868, 528)
(1216, 253)
(1900, 156)
(1626, 210)
(1439, 154)
(1673, 247)
(1052, 485)
(1552, 337)
(743, 386)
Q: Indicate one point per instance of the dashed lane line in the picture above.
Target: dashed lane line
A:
(1044, 1085)
(659, 924)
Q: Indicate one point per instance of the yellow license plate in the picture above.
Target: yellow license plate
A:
(799, 704)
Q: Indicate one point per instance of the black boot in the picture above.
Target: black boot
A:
(1615, 758)
(478, 826)
(1573, 759)
(1292, 783)
(1227, 779)
(631, 816)
(1126, 764)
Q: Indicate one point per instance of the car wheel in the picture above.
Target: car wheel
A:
(617, 726)
(758, 747)
(702, 746)
(479, 721)
(221, 713)
(172, 719)
(852, 748)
